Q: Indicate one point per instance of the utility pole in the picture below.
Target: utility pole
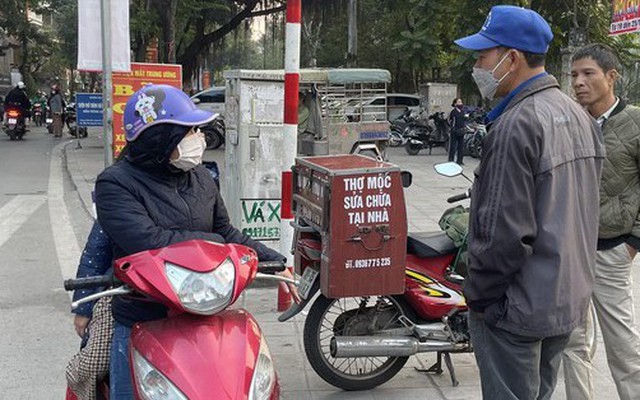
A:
(107, 127)
(352, 39)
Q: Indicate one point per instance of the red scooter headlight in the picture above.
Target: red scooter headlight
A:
(203, 293)
(151, 383)
(264, 375)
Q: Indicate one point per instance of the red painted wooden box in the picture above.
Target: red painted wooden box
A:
(357, 204)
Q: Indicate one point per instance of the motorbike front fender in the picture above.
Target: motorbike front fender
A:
(296, 308)
(202, 355)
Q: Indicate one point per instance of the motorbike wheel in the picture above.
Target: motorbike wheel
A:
(475, 147)
(351, 316)
(396, 139)
(412, 149)
(213, 139)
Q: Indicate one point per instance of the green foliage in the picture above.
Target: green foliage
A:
(414, 39)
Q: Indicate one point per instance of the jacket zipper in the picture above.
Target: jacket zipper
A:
(186, 206)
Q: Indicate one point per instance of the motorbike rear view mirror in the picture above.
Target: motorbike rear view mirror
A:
(407, 178)
(449, 169)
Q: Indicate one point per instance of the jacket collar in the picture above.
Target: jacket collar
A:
(502, 106)
(543, 83)
(621, 106)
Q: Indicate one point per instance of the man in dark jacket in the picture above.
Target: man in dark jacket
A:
(17, 97)
(158, 195)
(594, 73)
(534, 211)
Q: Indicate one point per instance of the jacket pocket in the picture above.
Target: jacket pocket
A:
(496, 311)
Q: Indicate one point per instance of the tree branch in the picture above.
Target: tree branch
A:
(270, 11)
(202, 42)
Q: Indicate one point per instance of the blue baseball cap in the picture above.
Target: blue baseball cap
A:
(513, 27)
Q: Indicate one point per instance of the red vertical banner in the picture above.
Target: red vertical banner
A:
(625, 17)
(126, 84)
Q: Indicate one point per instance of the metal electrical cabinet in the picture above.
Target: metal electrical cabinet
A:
(339, 99)
(254, 107)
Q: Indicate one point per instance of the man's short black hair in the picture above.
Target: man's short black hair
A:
(534, 60)
(602, 54)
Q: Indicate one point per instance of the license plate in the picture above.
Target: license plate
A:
(308, 277)
(13, 121)
(49, 121)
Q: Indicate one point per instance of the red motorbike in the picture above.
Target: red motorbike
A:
(202, 350)
(358, 343)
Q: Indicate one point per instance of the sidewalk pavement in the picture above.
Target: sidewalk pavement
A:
(426, 200)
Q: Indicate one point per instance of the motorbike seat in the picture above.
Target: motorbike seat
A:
(430, 244)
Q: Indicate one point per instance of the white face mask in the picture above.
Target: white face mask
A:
(486, 82)
(190, 151)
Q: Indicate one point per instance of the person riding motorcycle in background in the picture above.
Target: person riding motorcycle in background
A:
(17, 97)
(160, 194)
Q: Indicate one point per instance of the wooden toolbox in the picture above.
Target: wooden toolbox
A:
(357, 205)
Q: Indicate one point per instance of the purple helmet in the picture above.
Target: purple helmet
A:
(161, 104)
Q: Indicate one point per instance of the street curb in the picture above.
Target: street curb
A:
(77, 178)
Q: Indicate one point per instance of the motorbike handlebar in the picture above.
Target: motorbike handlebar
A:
(271, 267)
(90, 282)
(459, 197)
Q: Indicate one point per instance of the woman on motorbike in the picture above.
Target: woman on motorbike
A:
(158, 195)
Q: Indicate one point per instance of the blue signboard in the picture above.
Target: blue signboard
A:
(89, 109)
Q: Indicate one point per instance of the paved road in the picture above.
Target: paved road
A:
(37, 336)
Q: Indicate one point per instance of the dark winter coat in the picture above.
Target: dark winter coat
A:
(144, 203)
(18, 97)
(534, 215)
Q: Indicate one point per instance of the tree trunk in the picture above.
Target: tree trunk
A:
(166, 10)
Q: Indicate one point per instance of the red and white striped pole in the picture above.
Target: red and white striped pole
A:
(290, 133)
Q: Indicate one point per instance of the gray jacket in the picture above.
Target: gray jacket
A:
(55, 103)
(534, 215)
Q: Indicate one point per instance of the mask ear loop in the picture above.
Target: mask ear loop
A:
(498, 64)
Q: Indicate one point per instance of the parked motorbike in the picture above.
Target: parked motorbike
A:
(202, 349)
(358, 343)
(214, 133)
(70, 121)
(421, 135)
(473, 138)
(15, 125)
(475, 134)
(398, 126)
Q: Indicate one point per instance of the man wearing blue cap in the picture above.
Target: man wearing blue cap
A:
(534, 211)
